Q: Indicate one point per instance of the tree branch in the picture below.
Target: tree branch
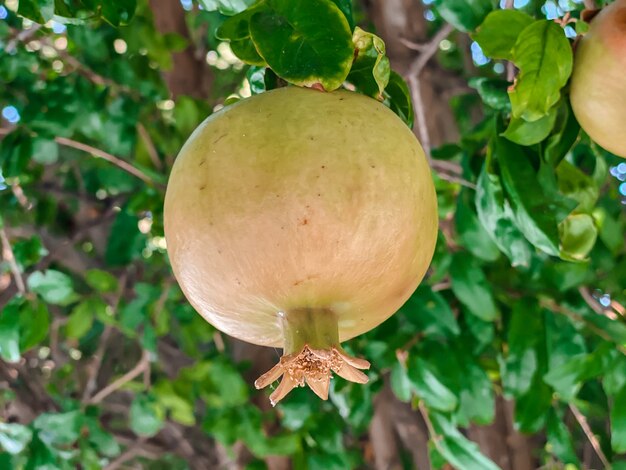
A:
(590, 435)
(121, 164)
(9, 256)
(152, 151)
(554, 307)
(140, 367)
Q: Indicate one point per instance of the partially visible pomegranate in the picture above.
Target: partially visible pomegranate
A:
(300, 219)
(598, 85)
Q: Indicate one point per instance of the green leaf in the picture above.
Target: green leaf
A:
(460, 452)
(226, 7)
(103, 441)
(400, 383)
(180, 409)
(59, 428)
(80, 320)
(544, 56)
(428, 387)
(125, 240)
(576, 185)
(34, 322)
(45, 151)
(102, 281)
(39, 11)
(470, 286)
(567, 378)
(578, 234)
(14, 437)
(529, 133)
(118, 12)
(618, 422)
(563, 136)
(560, 439)
(346, 8)
(398, 98)
(492, 91)
(464, 15)
(53, 286)
(430, 312)
(496, 216)
(472, 234)
(10, 334)
(533, 214)
(532, 408)
(498, 34)
(304, 41)
(237, 30)
(370, 70)
(146, 416)
(525, 331)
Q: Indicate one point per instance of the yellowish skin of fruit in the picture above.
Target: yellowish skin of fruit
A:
(299, 219)
(598, 84)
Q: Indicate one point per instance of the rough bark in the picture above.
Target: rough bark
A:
(189, 74)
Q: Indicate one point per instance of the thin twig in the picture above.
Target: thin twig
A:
(23, 36)
(554, 307)
(122, 164)
(9, 256)
(590, 4)
(590, 435)
(594, 304)
(129, 454)
(97, 358)
(140, 367)
(434, 437)
(152, 151)
(456, 179)
(429, 49)
(413, 75)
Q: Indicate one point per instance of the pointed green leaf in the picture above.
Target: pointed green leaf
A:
(496, 216)
(459, 451)
(544, 56)
(53, 286)
(529, 133)
(533, 213)
(14, 437)
(370, 70)
(498, 34)
(10, 333)
(470, 286)
(398, 98)
(428, 387)
(618, 422)
(472, 235)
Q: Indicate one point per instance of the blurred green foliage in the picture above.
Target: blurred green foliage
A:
(523, 298)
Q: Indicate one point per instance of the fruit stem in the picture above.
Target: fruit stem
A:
(316, 328)
(311, 353)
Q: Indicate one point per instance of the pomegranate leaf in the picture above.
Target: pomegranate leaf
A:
(304, 41)
(370, 71)
(544, 56)
(498, 34)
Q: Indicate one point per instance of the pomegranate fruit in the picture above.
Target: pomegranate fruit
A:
(598, 84)
(300, 219)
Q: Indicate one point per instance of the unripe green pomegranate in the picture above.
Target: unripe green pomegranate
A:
(300, 219)
(598, 85)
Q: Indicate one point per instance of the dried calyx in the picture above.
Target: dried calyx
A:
(311, 354)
